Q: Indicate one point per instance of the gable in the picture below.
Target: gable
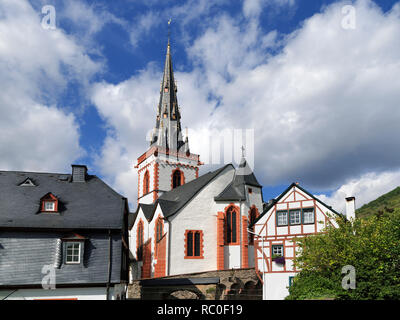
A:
(291, 198)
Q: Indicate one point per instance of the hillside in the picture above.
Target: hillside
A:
(385, 203)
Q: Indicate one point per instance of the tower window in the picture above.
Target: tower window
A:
(177, 178)
(146, 183)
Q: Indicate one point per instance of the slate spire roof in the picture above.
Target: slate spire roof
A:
(168, 129)
(236, 190)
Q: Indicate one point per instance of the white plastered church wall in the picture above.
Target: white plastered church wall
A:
(199, 214)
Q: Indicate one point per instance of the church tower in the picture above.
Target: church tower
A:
(168, 163)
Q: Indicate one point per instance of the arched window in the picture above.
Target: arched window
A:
(231, 225)
(159, 229)
(177, 178)
(140, 240)
(253, 217)
(146, 183)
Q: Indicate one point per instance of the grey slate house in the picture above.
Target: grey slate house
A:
(67, 230)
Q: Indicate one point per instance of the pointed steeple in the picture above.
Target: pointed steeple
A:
(168, 112)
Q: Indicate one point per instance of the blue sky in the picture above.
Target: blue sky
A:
(322, 100)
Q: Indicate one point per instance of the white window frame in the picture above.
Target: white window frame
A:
(280, 247)
(73, 243)
(311, 213)
(297, 214)
(279, 215)
(52, 203)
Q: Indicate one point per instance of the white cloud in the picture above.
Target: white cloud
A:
(36, 63)
(324, 109)
(366, 189)
(255, 7)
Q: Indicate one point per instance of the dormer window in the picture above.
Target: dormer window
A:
(74, 246)
(28, 182)
(49, 203)
(49, 206)
(73, 250)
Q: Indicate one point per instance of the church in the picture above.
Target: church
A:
(184, 222)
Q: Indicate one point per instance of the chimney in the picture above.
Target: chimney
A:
(350, 208)
(79, 173)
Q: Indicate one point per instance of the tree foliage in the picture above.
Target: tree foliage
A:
(371, 245)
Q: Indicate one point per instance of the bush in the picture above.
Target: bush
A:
(370, 245)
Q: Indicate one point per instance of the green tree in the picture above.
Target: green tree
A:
(371, 246)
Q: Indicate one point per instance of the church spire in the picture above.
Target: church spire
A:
(168, 113)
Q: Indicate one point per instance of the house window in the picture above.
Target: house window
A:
(194, 244)
(282, 218)
(295, 217)
(49, 206)
(277, 250)
(146, 183)
(250, 190)
(177, 178)
(73, 253)
(291, 281)
(308, 216)
(253, 217)
(231, 225)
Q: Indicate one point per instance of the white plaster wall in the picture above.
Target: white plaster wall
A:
(277, 285)
(199, 214)
(232, 257)
(95, 293)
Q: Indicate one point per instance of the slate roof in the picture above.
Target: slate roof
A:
(274, 201)
(172, 201)
(236, 190)
(148, 211)
(82, 205)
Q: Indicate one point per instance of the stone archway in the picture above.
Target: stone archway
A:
(184, 294)
(251, 291)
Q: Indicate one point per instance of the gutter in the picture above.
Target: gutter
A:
(109, 265)
(168, 265)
